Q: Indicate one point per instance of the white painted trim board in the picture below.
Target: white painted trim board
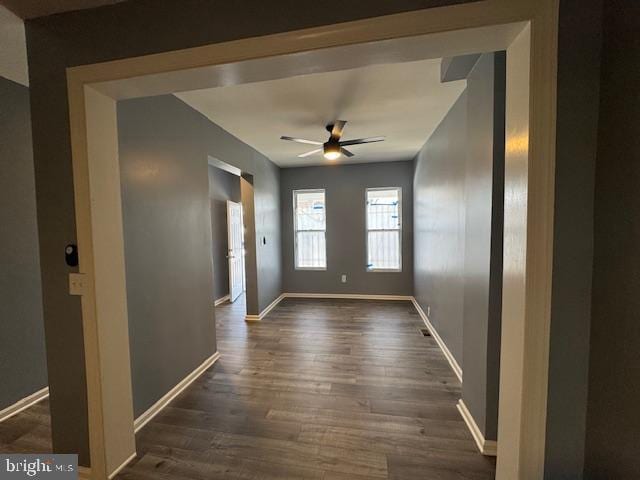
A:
(486, 447)
(23, 404)
(349, 296)
(221, 300)
(84, 472)
(122, 465)
(434, 333)
(271, 306)
(157, 407)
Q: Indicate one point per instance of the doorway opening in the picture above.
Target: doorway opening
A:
(528, 211)
(235, 251)
(228, 227)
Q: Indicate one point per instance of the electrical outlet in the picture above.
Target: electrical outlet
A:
(343, 279)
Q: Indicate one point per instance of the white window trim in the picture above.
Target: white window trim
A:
(295, 229)
(399, 229)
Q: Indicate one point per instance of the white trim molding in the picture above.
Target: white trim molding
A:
(122, 465)
(157, 407)
(349, 296)
(486, 447)
(84, 473)
(271, 306)
(221, 300)
(23, 404)
(434, 333)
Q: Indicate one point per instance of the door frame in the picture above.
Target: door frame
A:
(529, 200)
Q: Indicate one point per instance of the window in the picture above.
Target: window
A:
(384, 229)
(310, 224)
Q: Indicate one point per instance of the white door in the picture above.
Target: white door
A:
(235, 255)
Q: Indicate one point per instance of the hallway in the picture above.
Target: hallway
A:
(312, 392)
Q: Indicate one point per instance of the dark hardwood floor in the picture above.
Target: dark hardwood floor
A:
(27, 432)
(320, 389)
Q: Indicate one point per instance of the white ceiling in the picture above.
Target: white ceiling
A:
(39, 8)
(402, 101)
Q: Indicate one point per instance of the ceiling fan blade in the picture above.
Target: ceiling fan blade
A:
(358, 141)
(301, 140)
(338, 127)
(346, 152)
(302, 155)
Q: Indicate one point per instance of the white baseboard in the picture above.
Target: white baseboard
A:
(23, 404)
(434, 333)
(122, 465)
(221, 300)
(271, 306)
(348, 296)
(84, 473)
(143, 419)
(486, 447)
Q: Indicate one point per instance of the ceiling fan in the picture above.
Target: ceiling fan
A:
(334, 147)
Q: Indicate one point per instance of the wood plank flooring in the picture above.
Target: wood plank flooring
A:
(320, 389)
(27, 432)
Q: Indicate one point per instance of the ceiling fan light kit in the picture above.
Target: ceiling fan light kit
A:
(333, 148)
(331, 151)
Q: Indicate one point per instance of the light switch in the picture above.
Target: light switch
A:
(77, 283)
(344, 278)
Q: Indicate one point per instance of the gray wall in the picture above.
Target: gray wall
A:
(22, 353)
(577, 121)
(168, 249)
(439, 220)
(613, 416)
(458, 196)
(223, 186)
(164, 150)
(484, 219)
(345, 187)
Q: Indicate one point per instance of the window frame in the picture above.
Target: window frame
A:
(295, 228)
(367, 229)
